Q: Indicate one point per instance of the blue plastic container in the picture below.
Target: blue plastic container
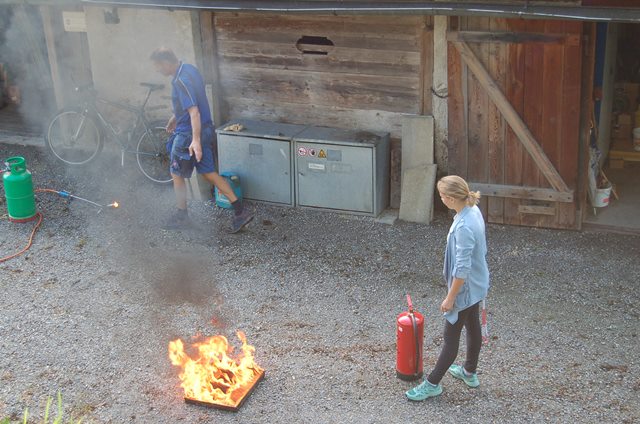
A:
(234, 182)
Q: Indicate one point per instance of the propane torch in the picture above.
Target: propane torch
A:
(67, 195)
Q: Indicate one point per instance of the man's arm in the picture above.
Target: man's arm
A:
(196, 147)
(171, 124)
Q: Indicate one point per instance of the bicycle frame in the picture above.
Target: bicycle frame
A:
(141, 121)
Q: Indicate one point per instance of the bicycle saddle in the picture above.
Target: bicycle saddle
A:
(151, 86)
(83, 87)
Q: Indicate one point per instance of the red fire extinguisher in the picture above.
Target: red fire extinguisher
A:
(410, 332)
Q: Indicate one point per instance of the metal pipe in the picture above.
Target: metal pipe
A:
(73, 196)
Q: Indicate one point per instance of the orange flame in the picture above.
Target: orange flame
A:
(213, 376)
(113, 205)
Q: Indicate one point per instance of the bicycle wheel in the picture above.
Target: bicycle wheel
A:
(74, 137)
(152, 155)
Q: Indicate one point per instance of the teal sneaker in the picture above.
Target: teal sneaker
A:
(458, 372)
(424, 390)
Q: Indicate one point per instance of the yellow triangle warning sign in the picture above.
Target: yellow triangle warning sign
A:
(322, 154)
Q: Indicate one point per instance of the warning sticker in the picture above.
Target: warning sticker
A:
(316, 166)
(322, 154)
(302, 151)
(313, 152)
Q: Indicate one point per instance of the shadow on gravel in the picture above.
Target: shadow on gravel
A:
(182, 279)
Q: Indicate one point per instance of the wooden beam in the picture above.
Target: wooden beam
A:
(52, 52)
(522, 192)
(210, 57)
(537, 210)
(511, 116)
(504, 37)
(439, 105)
(426, 65)
(587, 105)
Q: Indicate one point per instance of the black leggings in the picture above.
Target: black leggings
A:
(470, 319)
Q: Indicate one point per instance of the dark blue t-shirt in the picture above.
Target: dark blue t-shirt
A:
(188, 90)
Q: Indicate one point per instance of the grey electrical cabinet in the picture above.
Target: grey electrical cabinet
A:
(342, 170)
(261, 155)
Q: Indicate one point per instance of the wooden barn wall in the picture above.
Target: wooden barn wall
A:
(374, 73)
(542, 82)
(379, 68)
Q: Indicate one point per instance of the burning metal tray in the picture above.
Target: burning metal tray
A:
(238, 396)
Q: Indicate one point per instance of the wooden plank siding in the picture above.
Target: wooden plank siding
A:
(478, 118)
(376, 70)
(496, 125)
(570, 130)
(457, 113)
(514, 151)
(540, 77)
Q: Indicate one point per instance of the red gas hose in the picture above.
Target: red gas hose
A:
(33, 232)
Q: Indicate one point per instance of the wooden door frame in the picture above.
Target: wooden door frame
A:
(587, 106)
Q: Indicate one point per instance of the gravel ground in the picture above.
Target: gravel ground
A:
(90, 310)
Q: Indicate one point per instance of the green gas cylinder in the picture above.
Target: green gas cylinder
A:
(18, 190)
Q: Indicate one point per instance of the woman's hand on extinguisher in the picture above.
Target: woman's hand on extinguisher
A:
(447, 304)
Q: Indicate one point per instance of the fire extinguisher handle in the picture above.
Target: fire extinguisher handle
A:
(409, 303)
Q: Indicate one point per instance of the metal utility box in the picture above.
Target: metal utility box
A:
(342, 170)
(261, 155)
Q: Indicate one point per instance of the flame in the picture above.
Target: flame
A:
(113, 205)
(213, 376)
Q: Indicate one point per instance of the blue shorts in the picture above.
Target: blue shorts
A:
(182, 163)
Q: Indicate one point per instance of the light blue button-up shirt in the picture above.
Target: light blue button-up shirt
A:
(465, 258)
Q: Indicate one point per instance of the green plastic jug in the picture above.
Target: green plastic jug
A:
(18, 190)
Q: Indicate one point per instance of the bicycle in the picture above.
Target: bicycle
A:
(76, 135)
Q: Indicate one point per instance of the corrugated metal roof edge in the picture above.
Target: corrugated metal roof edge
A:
(40, 2)
(583, 13)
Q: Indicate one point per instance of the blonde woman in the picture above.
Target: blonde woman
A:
(467, 276)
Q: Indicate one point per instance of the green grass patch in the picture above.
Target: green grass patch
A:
(48, 415)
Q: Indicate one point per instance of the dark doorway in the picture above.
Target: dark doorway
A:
(26, 90)
(615, 198)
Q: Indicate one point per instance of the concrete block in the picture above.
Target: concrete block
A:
(417, 141)
(418, 186)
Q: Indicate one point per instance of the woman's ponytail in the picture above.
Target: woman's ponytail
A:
(473, 198)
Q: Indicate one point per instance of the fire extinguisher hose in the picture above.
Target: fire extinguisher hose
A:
(417, 339)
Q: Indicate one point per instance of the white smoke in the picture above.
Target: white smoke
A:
(23, 52)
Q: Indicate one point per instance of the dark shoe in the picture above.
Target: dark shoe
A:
(239, 221)
(178, 221)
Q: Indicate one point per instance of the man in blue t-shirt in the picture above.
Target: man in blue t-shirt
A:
(191, 141)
